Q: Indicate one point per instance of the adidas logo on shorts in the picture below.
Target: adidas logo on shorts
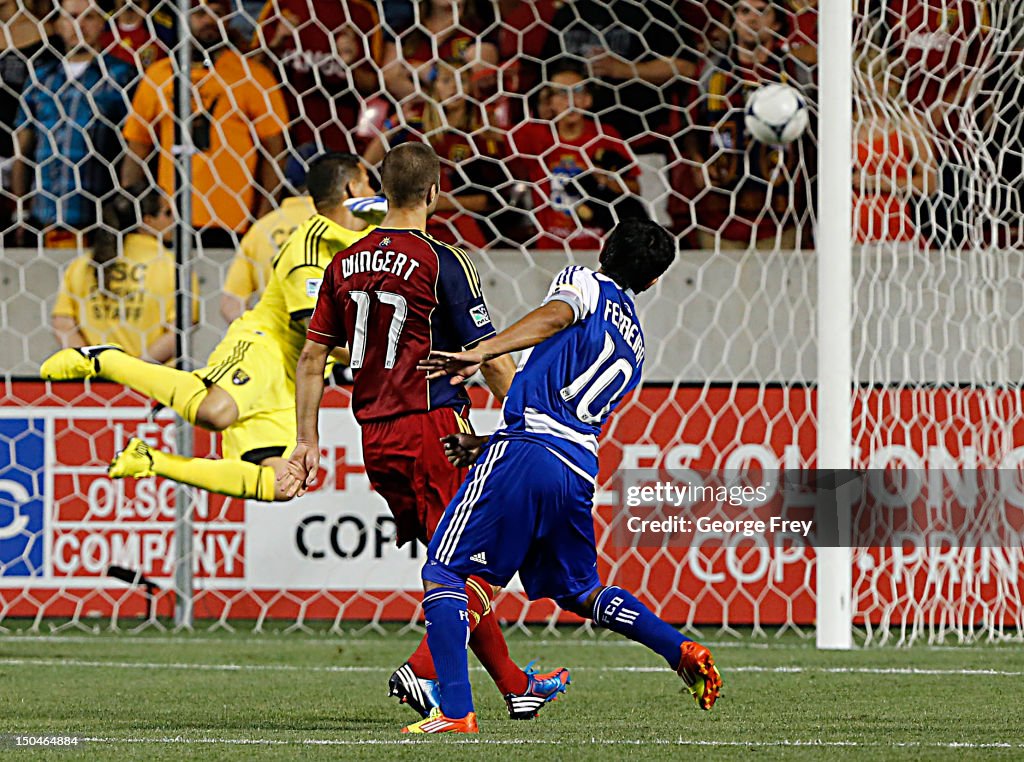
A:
(480, 558)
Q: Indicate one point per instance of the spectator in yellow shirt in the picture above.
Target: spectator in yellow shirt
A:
(250, 270)
(123, 291)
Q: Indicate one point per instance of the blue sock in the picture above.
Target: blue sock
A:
(444, 609)
(621, 612)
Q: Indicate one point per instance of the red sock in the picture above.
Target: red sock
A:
(421, 663)
(488, 643)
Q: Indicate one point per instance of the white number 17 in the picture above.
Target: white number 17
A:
(362, 300)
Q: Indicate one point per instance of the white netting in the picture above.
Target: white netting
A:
(553, 121)
(937, 187)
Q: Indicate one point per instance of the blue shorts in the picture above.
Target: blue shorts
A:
(521, 509)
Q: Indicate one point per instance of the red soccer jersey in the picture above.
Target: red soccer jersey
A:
(550, 164)
(941, 42)
(311, 51)
(521, 39)
(134, 45)
(470, 165)
(452, 45)
(752, 184)
(805, 28)
(392, 297)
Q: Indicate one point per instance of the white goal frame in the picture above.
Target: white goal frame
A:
(834, 610)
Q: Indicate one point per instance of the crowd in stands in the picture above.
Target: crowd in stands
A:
(538, 109)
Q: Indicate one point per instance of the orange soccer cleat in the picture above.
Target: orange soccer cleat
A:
(698, 670)
(436, 722)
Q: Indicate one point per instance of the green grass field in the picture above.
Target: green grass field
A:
(281, 696)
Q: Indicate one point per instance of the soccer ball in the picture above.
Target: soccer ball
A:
(776, 114)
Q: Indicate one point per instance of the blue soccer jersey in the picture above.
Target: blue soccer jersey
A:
(526, 505)
(568, 386)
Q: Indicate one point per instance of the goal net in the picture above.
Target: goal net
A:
(553, 120)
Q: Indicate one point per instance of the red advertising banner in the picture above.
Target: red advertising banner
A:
(331, 554)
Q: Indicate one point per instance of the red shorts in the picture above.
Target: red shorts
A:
(406, 464)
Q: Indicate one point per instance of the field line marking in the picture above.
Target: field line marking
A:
(123, 638)
(276, 639)
(553, 742)
(215, 667)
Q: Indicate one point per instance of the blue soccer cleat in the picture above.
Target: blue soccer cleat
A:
(539, 690)
(421, 694)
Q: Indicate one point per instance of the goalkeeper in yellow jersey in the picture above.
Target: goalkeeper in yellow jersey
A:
(247, 389)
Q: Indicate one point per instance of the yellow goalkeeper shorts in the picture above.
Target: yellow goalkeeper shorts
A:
(250, 367)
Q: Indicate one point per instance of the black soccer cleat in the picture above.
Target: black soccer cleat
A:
(421, 694)
(539, 691)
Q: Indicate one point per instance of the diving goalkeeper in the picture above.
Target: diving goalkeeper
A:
(247, 389)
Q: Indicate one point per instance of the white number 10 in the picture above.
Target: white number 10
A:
(588, 394)
(362, 300)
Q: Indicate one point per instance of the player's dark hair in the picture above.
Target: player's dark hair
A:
(121, 213)
(636, 252)
(407, 173)
(782, 19)
(565, 66)
(328, 177)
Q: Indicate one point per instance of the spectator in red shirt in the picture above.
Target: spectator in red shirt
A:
(583, 173)
(445, 30)
(938, 48)
(894, 163)
(521, 39)
(472, 161)
(134, 36)
(746, 193)
(941, 50)
(803, 37)
(330, 62)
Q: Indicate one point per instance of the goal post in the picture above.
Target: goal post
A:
(834, 613)
(184, 496)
